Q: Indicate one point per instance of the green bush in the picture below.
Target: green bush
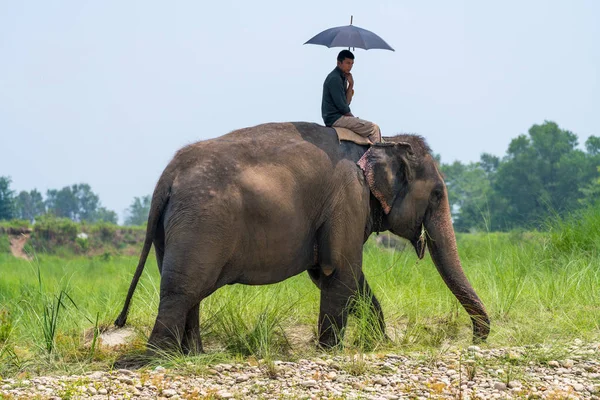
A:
(60, 236)
(104, 231)
(4, 244)
(50, 232)
(18, 224)
(6, 325)
(83, 243)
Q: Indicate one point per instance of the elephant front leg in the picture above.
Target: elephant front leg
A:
(367, 298)
(333, 315)
(339, 247)
(339, 298)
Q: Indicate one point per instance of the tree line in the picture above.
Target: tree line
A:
(76, 202)
(542, 174)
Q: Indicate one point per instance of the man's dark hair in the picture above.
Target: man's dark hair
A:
(345, 54)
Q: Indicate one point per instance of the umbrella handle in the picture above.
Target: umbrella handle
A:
(351, 18)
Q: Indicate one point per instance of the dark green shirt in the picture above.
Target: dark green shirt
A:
(334, 104)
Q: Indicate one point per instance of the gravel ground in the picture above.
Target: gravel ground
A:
(474, 373)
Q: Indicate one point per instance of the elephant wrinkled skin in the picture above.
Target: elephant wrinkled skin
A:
(262, 204)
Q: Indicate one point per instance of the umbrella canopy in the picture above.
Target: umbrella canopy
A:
(349, 36)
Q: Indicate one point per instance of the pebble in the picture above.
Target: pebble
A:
(382, 381)
(578, 387)
(125, 372)
(499, 386)
(309, 383)
(169, 393)
(553, 364)
(567, 363)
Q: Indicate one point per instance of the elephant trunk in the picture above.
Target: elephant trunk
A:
(442, 247)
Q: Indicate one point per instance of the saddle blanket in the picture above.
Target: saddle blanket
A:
(351, 136)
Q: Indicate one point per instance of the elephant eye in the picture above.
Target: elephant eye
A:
(436, 194)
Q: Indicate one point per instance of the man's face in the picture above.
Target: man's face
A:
(346, 65)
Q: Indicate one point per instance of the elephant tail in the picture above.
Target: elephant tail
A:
(159, 202)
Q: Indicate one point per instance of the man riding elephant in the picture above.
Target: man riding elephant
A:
(338, 90)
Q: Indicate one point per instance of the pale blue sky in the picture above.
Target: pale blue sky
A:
(105, 92)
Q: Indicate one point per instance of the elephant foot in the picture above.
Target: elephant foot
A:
(478, 339)
(160, 347)
(386, 339)
(192, 347)
(326, 346)
(329, 341)
(131, 361)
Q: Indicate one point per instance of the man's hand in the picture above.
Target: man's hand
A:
(350, 80)
(350, 89)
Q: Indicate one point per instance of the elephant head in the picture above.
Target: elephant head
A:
(404, 178)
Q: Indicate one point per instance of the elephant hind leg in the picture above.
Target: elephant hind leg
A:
(192, 343)
(177, 323)
(170, 323)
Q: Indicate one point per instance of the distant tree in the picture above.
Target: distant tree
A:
(7, 201)
(469, 194)
(29, 205)
(591, 192)
(137, 213)
(592, 145)
(88, 202)
(489, 163)
(541, 174)
(62, 203)
(104, 215)
(79, 203)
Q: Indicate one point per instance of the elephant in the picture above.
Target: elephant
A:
(262, 204)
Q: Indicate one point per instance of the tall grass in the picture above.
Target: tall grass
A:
(577, 234)
(538, 287)
(253, 328)
(48, 309)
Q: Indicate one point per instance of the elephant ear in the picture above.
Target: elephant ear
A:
(386, 170)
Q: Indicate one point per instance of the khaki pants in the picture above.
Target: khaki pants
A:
(364, 128)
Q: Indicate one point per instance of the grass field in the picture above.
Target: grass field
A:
(538, 287)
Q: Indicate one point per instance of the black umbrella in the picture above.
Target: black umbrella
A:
(350, 36)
